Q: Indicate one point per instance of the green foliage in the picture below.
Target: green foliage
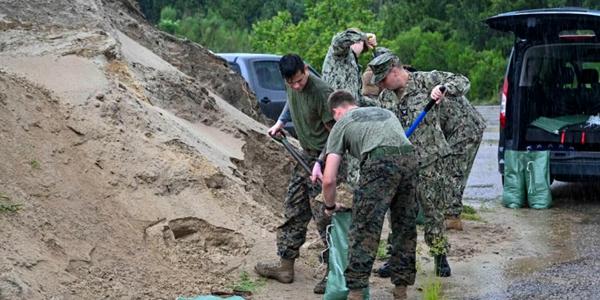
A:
(382, 252)
(469, 213)
(432, 289)
(35, 164)
(312, 35)
(210, 30)
(6, 206)
(247, 284)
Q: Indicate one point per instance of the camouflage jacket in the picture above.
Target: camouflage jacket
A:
(341, 69)
(408, 103)
(460, 121)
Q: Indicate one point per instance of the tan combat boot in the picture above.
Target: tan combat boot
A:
(282, 271)
(355, 295)
(400, 292)
(454, 223)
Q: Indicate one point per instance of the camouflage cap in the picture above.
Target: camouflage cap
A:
(381, 66)
(380, 50)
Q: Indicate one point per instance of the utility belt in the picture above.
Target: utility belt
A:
(386, 151)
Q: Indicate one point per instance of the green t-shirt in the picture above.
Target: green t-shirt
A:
(364, 129)
(310, 113)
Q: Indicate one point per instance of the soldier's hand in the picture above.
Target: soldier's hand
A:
(371, 40)
(317, 173)
(276, 129)
(437, 94)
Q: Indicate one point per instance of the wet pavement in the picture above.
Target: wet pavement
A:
(549, 254)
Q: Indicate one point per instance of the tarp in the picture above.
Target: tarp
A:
(554, 125)
(337, 239)
(527, 178)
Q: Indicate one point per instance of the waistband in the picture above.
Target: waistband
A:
(385, 151)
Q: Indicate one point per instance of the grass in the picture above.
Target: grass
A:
(247, 284)
(8, 207)
(35, 164)
(469, 213)
(382, 250)
(433, 289)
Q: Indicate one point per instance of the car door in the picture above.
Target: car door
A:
(269, 86)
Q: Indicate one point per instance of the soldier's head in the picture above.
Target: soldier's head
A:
(294, 71)
(388, 72)
(340, 102)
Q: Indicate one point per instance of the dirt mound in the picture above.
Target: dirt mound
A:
(134, 179)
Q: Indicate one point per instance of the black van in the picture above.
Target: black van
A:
(552, 79)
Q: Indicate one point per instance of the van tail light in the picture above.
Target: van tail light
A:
(503, 102)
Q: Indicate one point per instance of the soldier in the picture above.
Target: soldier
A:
(410, 92)
(340, 67)
(307, 108)
(342, 71)
(463, 127)
(388, 177)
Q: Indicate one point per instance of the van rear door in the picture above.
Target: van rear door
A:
(538, 24)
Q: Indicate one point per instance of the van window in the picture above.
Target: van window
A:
(268, 75)
(561, 79)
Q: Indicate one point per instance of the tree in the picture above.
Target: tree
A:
(311, 37)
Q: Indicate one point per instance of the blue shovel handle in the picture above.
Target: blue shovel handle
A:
(422, 115)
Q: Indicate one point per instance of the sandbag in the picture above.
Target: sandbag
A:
(537, 179)
(514, 193)
(337, 239)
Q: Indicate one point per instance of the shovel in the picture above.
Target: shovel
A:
(422, 115)
(282, 139)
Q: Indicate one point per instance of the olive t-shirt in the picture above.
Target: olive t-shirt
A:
(364, 129)
(310, 113)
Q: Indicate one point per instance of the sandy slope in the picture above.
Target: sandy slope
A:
(136, 179)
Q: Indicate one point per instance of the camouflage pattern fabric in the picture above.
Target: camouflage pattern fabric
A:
(299, 207)
(340, 67)
(463, 127)
(385, 183)
(430, 144)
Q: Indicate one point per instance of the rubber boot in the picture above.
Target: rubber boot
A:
(355, 295)
(400, 292)
(320, 287)
(453, 223)
(282, 271)
(442, 268)
(384, 271)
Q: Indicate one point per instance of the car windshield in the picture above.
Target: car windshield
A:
(561, 79)
(268, 75)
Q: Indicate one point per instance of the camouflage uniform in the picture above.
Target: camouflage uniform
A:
(388, 177)
(431, 145)
(385, 183)
(299, 207)
(463, 127)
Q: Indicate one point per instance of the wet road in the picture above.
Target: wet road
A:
(549, 254)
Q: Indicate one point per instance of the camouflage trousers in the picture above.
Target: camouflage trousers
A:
(459, 166)
(385, 183)
(299, 207)
(431, 189)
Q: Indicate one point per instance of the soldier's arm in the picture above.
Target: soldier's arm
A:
(456, 85)
(341, 42)
(364, 101)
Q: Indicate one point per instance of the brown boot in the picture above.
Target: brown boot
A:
(400, 292)
(282, 271)
(453, 223)
(355, 295)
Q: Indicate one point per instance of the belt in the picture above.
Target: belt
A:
(385, 151)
